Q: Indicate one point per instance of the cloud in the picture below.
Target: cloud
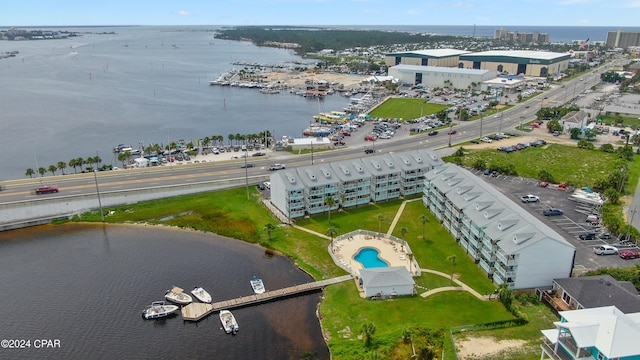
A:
(184, 13)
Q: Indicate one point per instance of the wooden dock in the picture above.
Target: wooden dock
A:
(196, 311)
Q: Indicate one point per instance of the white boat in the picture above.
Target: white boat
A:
(158, 309)
(257, 285)
(201, 294)
(229, 322)
(177, 296)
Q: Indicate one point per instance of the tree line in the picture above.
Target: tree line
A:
(263, 137)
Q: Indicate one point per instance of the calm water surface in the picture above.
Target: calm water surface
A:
(87, 284)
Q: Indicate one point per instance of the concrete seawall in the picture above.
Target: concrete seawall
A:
(20, 214)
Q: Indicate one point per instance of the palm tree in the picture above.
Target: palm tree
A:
(269, 228)
(506, 295)
(29, 172)
(403, 232)
(423, 219)
(97, 160)
(52, 169)
(90, 161)
(367, 331)
(122, 157)
(410, 255)
(42, 171)
(62, 165)
(452, 258)
(330, 202)
(380, 220)
(231, 137)
(331, 232)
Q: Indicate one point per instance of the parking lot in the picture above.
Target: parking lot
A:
(571, 224)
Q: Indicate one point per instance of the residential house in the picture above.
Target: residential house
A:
(603, 333)
(587, 292)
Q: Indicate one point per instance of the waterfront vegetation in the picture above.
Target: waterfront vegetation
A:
(231, 213)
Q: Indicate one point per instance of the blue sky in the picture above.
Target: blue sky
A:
(612, 13)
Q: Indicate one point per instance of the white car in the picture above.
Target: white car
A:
(529, 198)
(267, 184)
(276, 167)
(486, 139)
(605, 250)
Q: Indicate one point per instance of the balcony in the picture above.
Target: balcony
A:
(547, 347)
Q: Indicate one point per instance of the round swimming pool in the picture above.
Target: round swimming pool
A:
(369, 258)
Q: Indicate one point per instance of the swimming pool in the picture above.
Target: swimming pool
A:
(369, 258)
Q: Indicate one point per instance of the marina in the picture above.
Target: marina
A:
(197, 311)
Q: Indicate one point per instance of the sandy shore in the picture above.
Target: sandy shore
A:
(298, 79)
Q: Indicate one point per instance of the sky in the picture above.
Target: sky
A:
(611, 13)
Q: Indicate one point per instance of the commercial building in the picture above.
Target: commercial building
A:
(429, 57)
(603, 333)
(526, 62)
(433, 76)
(506, 241)
(622, 39)
(303, 191)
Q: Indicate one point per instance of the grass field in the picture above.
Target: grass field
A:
(406, 109)
(578, 167)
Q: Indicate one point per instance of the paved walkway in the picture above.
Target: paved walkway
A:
(461, 286)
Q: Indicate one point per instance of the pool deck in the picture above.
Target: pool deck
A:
(394, 253)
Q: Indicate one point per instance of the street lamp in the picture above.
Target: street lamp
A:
(95, 177)
(450, 133)
(500, 127)
(311, 151)
(481, 124)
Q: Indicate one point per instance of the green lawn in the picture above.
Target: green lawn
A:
(406, 109)
(578, 167)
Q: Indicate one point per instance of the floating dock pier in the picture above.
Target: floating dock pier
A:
(196, 311)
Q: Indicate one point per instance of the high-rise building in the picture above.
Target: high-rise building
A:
(622, 39)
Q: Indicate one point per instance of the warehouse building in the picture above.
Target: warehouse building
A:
(429, 57)
(433, 76)
(526, 62)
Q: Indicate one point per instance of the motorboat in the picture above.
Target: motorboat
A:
(229, 322)
(201, 294)
(158, 309)
(257, 285)
(177, 295)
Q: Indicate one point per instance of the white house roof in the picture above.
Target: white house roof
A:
(612, 332)
(386, 276)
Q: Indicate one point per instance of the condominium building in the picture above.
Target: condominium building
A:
(304, 190)
(511, 245)
(602, 333)
(622, 39)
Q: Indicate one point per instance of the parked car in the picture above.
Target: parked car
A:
(261, 186)
(258, 154)
(337, 143)
(629, 254)
(432, 133)
(605, 236)
(475, 141)
(486, 139)
(46, 190)
(370, 138)
(276, 167)
(369, 151)
(247, 165)
(529, 198)
(552, 212)
(267, 184)
(605, 250)
(588, 235)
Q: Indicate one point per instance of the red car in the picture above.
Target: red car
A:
(339, 143)
(370, 138)
(452, 132)
(346, 133)
(629, 254)
(46, 190)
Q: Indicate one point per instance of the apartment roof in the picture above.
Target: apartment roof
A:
(491, 210)
(517, 56)
(603, 290)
